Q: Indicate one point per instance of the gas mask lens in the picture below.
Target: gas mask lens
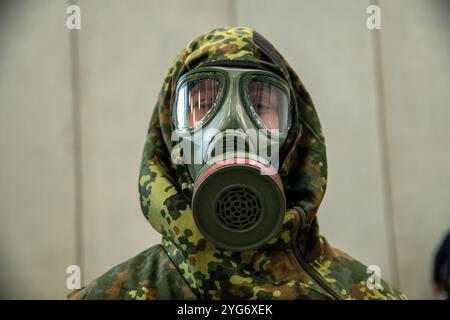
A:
(265, 98)
(270, 103)
(195, 98)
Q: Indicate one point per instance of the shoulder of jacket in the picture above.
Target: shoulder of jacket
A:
(351, 278)
(149, 275)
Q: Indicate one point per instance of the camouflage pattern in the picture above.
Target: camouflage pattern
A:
(149, 275)
(297, 263)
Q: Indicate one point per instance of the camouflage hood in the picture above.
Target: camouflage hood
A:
(303, 170)
(272, 271)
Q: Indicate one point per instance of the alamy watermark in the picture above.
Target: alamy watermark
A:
(73, 281)
(73, 21)
(374, 19)
(374, 279)
(212, 145)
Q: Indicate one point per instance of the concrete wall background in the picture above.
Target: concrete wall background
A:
(74, 109)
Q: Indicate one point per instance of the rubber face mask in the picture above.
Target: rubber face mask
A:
(229, 125)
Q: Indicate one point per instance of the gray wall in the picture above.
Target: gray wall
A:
(74, 109)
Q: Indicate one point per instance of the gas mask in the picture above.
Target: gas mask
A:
(229, 124)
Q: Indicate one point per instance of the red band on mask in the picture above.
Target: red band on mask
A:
(234, 161)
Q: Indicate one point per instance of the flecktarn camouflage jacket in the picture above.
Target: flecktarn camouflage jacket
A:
(297, 263)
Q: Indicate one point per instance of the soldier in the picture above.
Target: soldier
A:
(234, 224)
